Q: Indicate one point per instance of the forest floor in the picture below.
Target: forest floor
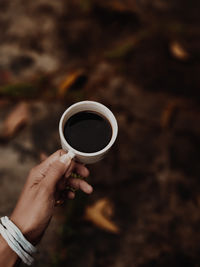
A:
(150, 178)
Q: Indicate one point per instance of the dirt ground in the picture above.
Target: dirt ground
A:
(151, 175)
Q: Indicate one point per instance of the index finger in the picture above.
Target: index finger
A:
(43, 166)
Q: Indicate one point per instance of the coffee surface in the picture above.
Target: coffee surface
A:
(87, 131)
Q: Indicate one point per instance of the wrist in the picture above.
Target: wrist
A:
(22, 227)
(16, 240)
(32, 234)
(8, 257)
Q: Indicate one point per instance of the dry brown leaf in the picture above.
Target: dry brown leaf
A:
(15, 120)
(99, 214)
(167, 115)
(178, 51)
(168, 112)
(68, 82)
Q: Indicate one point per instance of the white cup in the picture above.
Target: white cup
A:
(82, 157)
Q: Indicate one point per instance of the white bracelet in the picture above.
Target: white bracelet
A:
(17, 234)
(17, 242)
(26, 258)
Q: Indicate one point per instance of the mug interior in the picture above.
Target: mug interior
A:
(89, 106)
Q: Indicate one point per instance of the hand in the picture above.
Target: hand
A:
(45, 185)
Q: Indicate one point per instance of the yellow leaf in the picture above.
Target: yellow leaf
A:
(68, 82)
(99, 214)
(178, 51)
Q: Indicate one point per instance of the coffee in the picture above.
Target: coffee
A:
(87, 131)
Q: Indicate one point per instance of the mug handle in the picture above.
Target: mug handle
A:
(70, 154)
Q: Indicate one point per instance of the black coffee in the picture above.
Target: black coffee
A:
(87, 131)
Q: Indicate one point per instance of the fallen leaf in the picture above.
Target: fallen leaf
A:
(123, 48)
(15, 120)
(100, 213)
(169, 111)
(178, 51)
(68, 82)
(167, 114)
(19, 90)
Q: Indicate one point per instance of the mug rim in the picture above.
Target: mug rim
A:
(114, 131)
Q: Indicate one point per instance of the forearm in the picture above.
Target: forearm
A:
(8, 258)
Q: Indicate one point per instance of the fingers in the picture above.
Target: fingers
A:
(64, 195)
(82, 170)
(58, 165)
(78, 168)
(62, 183)
(44, 165)
(55, 171)
(79, 184)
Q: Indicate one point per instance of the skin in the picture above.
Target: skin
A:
(44, 187)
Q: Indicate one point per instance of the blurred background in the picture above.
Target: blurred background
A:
(141, 59)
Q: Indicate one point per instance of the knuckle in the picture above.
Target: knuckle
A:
(60, 152)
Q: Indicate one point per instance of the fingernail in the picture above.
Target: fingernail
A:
(65, 159)
(88, 188)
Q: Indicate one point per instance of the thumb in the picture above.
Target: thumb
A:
(56, 170)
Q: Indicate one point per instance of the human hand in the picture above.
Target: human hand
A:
(46, 183)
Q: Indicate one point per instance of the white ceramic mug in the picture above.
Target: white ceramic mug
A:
(87, 158)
